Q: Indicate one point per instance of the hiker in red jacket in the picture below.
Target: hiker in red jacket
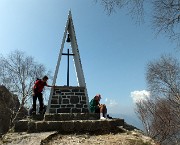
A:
(37, 93)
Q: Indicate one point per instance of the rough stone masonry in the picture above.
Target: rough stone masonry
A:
(68, 100)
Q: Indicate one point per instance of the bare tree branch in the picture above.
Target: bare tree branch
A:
(164, 14)
(19, 73)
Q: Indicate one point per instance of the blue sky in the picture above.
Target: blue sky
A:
(114, 50)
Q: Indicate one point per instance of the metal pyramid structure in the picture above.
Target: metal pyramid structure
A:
(69, 29)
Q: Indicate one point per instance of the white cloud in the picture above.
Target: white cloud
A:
(111, 102)
(140, 95)
(112, 105)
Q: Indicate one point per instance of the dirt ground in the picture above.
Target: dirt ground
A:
(53, 138)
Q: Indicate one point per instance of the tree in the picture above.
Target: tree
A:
(163, 78)
(18, 73)
(135, 7)
(164, 14)
(160, 114)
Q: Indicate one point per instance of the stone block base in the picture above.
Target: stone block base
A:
(69, 100)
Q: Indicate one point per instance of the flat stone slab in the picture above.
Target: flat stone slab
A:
(68, 126)
(71, 116)
(65, 116)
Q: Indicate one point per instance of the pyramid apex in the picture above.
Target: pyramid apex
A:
(69, 14)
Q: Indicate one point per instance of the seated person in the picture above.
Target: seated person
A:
(96, 107)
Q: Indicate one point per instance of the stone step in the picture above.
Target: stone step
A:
(71, 116)
(65, 116)
(68, 126)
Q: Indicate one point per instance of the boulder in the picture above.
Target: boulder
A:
(9, 105)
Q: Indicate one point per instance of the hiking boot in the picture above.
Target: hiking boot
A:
(33, 113)
(109, 117)
(41, 112)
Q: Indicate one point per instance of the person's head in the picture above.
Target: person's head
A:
(97, 97)
(45, 78)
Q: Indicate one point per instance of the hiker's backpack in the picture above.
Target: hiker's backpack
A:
(39, 85)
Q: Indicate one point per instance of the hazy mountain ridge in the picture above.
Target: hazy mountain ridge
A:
(130, 119)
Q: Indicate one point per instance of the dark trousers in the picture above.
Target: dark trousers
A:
(40, 98)
(97, 110)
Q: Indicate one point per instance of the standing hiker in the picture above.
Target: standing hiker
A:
(37, 93)
(96, 107)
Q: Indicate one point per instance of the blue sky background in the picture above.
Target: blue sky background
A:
(114, 50)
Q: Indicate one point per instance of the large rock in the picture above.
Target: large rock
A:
(9, 104)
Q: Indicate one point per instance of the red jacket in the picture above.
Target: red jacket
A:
(39, 86)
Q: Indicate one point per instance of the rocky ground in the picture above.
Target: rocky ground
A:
(54, 138)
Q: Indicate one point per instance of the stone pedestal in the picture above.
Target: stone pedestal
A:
(68, 100)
